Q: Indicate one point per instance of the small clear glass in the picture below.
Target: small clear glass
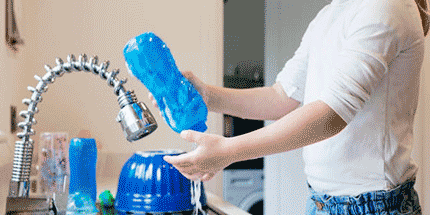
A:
(54, 168)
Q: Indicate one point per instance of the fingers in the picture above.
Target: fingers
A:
(183, 163)
(192, 136)
(193, 177)
(188, 176)
(154, 102)
(208, 176)
(187, 135)
(182, 160)
(196, 176)
(185, 167)
(187, 74)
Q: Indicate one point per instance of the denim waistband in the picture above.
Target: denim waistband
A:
(365, 203)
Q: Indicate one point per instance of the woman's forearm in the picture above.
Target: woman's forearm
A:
(309, 124)
(262, 103)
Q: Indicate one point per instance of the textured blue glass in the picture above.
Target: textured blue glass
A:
(82, 161)
(148, 184)
(149, 59)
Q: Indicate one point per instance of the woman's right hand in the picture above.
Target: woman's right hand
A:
(200, 86)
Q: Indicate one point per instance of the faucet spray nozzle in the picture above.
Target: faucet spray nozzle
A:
(135, 118)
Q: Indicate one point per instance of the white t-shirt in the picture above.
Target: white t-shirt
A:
(362, 58)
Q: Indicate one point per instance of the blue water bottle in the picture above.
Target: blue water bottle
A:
(149, 59)
(82, 186)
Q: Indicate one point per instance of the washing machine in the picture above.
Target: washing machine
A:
(245, 189)
(243, 182)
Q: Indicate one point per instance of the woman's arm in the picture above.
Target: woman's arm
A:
(309, 124)
(262, 103)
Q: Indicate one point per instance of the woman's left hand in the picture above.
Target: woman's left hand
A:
(210, 156)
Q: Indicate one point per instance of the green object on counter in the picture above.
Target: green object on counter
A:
(106, 199)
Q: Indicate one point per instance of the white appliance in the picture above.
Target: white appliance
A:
(245, 189)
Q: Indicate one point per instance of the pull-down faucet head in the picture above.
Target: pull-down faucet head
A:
(135, 118)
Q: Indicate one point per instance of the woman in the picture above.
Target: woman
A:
(348, 97)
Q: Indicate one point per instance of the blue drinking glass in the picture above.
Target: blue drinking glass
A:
(82, 187)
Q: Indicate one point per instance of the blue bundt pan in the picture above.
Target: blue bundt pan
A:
(148, 184)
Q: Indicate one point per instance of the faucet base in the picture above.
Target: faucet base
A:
(29, 206)
(19, 188)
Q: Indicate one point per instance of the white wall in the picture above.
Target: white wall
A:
(8, 64)
(56, 28)
(285, 189)
(285, 182)
(192, 29)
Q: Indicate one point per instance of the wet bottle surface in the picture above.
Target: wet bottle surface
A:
(83, 187)
(149, 59)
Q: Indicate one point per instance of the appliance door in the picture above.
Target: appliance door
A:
(254, 203)
(245, 189)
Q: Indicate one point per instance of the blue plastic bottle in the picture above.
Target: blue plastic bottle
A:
(82, 187)
(149, 59)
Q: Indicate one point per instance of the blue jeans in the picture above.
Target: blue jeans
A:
(402, 200)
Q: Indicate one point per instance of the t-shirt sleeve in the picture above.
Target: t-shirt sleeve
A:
(293, 75)
(371, 44)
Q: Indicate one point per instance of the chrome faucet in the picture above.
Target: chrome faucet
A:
(135, 118)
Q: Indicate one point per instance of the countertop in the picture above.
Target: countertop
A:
(215, 203)
(215, 206)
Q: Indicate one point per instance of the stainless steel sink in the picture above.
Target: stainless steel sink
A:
(41, 206)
